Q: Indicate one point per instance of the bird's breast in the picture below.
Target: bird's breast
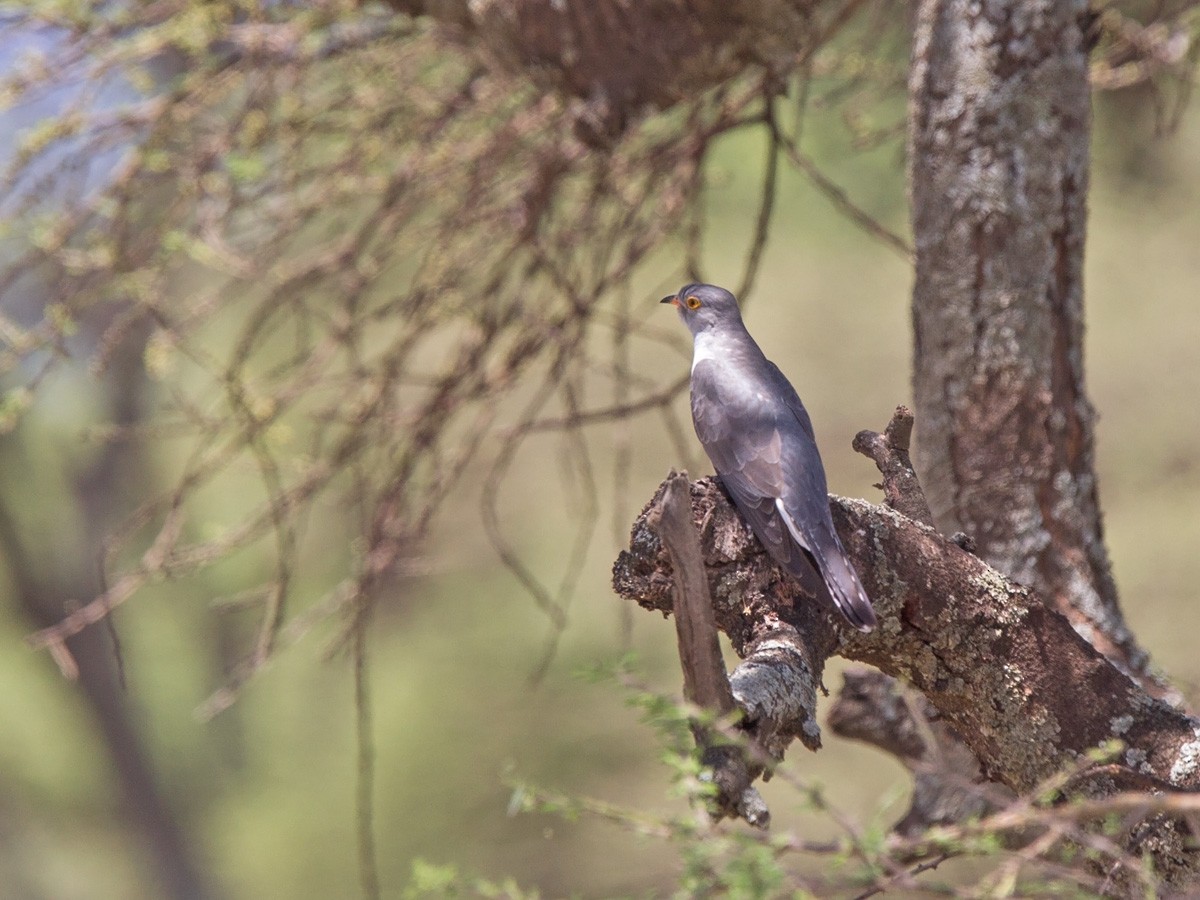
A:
(734, 387)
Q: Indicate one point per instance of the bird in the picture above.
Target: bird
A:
(758, 435)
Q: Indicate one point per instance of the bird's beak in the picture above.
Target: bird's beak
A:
(673, 300)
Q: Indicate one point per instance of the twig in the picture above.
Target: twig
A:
(840, 199)
(901, 487)
(926, 866)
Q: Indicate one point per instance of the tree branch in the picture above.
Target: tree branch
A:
(1023, 689)
(1027, 693)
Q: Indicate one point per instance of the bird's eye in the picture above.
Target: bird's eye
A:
(693, 302)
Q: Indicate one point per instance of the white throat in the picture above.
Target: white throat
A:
(705, 345)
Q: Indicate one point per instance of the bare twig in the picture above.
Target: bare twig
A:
(901, 488)
(704, 680)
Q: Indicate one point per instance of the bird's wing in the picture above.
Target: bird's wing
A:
(771, 467)
(804, 506)
(784, 391)
(748, 451)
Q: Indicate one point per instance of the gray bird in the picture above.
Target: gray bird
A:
(758, 435)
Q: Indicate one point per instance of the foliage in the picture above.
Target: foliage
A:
(1044, 844)
(445, 881)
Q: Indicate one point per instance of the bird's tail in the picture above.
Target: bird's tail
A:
(845, 589)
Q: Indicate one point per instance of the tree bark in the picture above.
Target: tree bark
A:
(998, 171)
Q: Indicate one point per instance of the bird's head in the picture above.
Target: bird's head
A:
(704, 306)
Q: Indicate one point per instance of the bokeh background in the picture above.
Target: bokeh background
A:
(265, 791)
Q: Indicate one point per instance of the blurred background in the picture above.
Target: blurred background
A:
(260, 798)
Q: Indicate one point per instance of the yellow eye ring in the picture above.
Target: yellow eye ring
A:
(693, 302)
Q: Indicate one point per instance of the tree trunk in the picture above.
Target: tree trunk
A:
(998, 172)
(167, 847)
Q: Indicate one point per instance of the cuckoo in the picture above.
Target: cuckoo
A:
(758, 435)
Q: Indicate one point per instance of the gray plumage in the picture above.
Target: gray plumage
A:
(758, 435)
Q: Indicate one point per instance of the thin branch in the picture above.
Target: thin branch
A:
(368, 862)
(762, 224)
(614, 413)
(841, 200)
